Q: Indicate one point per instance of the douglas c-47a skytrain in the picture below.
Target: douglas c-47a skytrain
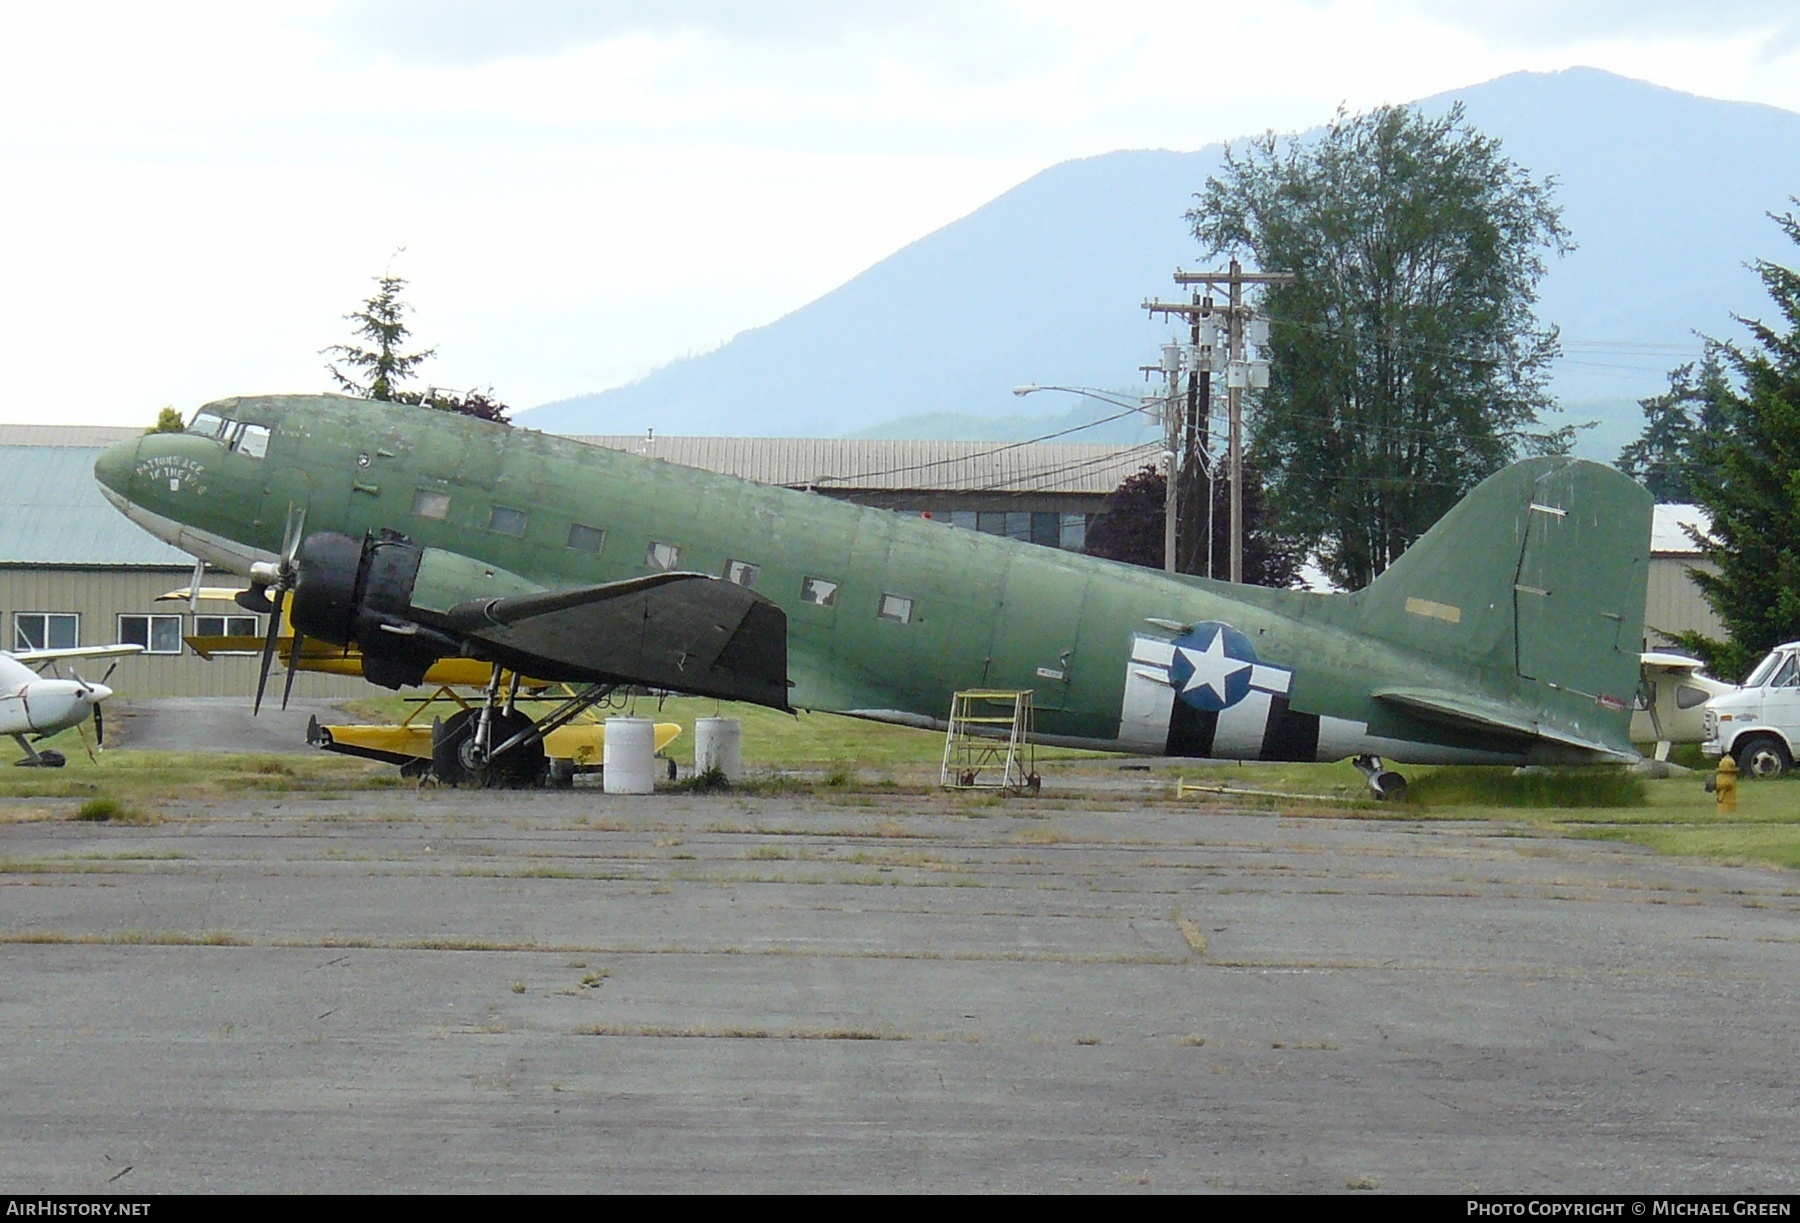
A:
(1508, 634)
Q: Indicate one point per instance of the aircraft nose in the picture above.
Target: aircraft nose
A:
(97, 693)
(114, 467)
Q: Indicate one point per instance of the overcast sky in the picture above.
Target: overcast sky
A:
(194, 194)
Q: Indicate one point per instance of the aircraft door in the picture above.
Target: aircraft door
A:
(1036, 639)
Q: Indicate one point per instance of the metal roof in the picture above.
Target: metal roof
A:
(52, 513)
(1668, 530)
(869, 464)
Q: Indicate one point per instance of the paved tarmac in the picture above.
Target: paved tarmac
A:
(449, 991)
(216, 723)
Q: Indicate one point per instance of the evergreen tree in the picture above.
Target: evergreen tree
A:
(1749, 483)
(1407, 362)
(1663, 457)
(377, 372)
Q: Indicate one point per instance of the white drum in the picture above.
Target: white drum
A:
(629, 756)
(719, 744)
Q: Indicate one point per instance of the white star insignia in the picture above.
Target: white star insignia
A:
(1212, 667)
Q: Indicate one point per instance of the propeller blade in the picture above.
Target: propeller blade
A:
(291, 535)
(108, 674)
(81, 733)
(268, 655)
(99, 729)
(194, 584)
(85, 686)
(293, 666)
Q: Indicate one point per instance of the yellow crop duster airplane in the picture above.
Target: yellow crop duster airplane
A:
(1508, 634)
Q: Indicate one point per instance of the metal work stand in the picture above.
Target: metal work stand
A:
(989, 744)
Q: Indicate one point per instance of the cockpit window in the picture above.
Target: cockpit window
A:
(206, 424)
(1789, 675)
(252, 440)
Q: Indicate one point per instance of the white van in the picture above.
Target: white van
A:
(1759, 724)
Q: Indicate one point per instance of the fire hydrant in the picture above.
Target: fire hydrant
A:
(1725, 785)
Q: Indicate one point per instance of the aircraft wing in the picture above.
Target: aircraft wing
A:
(81, 651)
(688, 632)
(1472, 713)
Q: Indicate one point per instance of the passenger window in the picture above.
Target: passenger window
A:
(504, 521)
(742, 572)
(661, 556)
(819, 591)
(253, 441)
(1687, 696)
(428, 503)
(586, 539)
(1789, 674)
(897, 608)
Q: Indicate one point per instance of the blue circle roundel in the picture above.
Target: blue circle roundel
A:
(1212, 666)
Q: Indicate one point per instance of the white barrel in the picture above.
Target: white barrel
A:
(719, 744)
(629, 756)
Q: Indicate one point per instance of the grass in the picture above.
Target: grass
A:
(1503, 787)
(837, 744)
(131, 777)
(103, 810)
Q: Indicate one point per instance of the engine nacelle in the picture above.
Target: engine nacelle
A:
(359, 592)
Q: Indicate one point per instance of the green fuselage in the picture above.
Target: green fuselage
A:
(917, 610)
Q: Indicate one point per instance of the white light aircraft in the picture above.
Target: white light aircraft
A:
(31, 704)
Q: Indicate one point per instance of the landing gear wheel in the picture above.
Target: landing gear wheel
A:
(1759, 756)
(1388, 786)
(49, 758)
(456, 762)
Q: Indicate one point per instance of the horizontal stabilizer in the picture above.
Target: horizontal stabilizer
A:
(686, 632)
(1470, 713)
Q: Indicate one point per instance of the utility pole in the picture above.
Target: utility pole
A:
(1170, 415)
(1240, 372)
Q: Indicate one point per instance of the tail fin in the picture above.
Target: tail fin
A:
(1535, 581)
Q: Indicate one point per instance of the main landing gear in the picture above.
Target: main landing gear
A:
(1384, 782)
(493, 745)
(49, 758)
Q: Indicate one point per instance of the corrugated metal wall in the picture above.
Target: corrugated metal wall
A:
(100, 595)
(1673, 603)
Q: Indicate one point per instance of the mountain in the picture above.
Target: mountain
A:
(1665, 193)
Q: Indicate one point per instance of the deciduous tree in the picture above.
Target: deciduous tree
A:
(1407, 362)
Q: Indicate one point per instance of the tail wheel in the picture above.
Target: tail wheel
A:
(456, 763)
(1763, 756)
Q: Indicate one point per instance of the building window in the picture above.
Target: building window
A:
(820, 591)
(428, 503)
(157, 634)
(227, 626)
(897, 608)
(661, 556)
(991, 522)
(1074, 532)
(586, 539)
(963, 518)
(1046, 529)
(253, 441)
(742, 572)
(46, 631)
(504, 521)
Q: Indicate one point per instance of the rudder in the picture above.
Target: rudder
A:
(1536, 580)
